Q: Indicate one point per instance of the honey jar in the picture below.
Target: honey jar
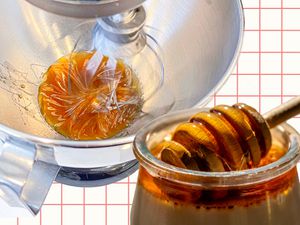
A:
(169, 195)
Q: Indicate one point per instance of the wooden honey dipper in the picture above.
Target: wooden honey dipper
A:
(225, 138)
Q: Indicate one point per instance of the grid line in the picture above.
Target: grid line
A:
(234, 93)
(128, 201)
(259, 64)
(260, 8)
(84, 205)
(41, 218)
(106, 205)
(281, 48)
(61, 204)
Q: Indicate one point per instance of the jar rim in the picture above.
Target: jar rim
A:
(164, 170)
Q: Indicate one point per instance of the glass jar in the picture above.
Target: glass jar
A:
(167, 195)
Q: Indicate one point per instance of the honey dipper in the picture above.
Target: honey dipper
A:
(225, 138)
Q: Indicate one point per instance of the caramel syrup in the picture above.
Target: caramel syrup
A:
(84, 106)
(180, 194)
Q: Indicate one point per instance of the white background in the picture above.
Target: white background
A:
(267, 74)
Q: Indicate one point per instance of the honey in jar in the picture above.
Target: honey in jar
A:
(182, 181)
(84, 99)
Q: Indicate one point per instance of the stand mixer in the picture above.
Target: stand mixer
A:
(181, 51)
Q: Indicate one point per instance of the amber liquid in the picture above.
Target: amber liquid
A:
(180, 194)
(84, 106)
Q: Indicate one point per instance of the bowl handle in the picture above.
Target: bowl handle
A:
(26, 176)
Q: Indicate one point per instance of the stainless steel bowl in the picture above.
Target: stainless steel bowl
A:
(86, 8)
(199, 41)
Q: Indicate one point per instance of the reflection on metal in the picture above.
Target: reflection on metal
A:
(86, 9)
(96, 176)
(25, 175)
(19, 85)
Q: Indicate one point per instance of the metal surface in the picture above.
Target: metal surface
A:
(26, 176)
(124, 27)
(96, 176)
(86, 8)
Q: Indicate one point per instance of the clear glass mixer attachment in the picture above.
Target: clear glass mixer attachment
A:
(107, 82)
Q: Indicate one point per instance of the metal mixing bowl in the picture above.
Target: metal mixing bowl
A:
(199, 40)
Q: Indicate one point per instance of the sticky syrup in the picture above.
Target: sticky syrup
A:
(84, 107)
(181, 194)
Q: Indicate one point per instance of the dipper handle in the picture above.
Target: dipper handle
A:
(283, 112)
